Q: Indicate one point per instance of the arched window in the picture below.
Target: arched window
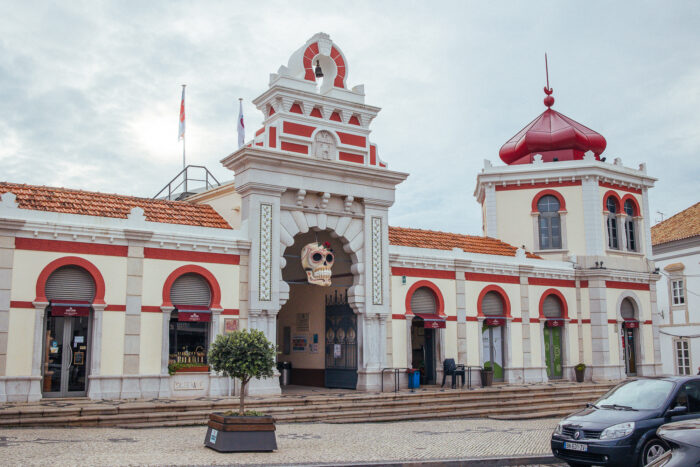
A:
(70, 283)
(549, 222)
(627, 309)
(492, 304)
(612, 206)
(423, 301)
(189, 324)
(631, 237)
(551, 307)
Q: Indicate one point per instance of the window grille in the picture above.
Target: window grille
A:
(683, 356)
(678, 295)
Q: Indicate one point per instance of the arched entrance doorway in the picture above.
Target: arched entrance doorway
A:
(493, 308)
(425, 328)
(630, 326)
(317, 329)
(552, 310)
(70, 291)
(190, 321)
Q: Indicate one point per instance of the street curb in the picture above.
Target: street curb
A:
(467, 462)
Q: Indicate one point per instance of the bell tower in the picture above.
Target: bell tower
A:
(312, 168)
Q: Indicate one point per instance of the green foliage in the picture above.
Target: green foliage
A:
(173, 367)
(243, 354)
(488, 366)
(580, 366)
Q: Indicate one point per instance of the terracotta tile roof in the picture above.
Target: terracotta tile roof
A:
(89, 203)
(685, 224)
(418, 238)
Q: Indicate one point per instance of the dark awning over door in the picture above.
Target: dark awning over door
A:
(432, 321)
(193, 313)
(70, 308)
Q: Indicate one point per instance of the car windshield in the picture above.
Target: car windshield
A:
(641, 394)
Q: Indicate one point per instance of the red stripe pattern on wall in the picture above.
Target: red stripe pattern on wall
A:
(350, 157)
(353, 140)
(626, 285)
(617, 187)
(62, 246)
(297, 129)
(194, 256)
(529, 186)
(503, 279)
(291, 147)
(427, 273)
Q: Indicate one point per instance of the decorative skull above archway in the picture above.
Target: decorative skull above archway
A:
(317, 260)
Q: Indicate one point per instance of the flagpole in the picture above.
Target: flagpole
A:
(183, 138)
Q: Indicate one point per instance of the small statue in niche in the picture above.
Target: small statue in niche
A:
(317, 260)
(324, 146)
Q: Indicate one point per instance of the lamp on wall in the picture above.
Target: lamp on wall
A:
(318, 71)
(403, 280)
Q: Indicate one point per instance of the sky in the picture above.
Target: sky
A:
(90, 91)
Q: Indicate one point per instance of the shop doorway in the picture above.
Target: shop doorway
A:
(341, 343)
(552, 351)
(67, 337)
(66, 356)
(492, 352)
(629, 336)
(423, 349)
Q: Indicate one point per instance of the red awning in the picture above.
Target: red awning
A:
(631, 324)
(494, 322)
(432, 321)
(554, 323)
(70, 308)
(193, 313)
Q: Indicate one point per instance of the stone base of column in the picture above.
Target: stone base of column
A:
(647, 369)
(131, 387)
(514, 375)
(20, 388)
(222, 385)
(369, 380)
(537, 374)
(607, 372)
(265, 386)
(164, 387)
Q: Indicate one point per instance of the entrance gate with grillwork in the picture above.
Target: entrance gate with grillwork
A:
(341, 343)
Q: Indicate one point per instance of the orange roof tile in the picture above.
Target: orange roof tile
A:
(418, 238)
(89, 203)
(685, 224)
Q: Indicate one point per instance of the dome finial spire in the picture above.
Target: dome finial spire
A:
(549, 100)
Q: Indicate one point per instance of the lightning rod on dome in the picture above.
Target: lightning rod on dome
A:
(549, 100)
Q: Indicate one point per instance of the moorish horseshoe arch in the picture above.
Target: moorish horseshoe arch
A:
(349, 230)
(640, 335)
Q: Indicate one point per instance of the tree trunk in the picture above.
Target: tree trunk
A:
(241, 407)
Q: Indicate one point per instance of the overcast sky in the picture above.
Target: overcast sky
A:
(90, 91)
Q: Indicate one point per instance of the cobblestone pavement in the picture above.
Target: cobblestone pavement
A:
(302, 443)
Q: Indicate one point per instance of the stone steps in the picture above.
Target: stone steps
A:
(505, 401)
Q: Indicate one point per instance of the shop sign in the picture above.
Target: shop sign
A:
(230, 325)
(554, 323)
(70, 309)
(431, 321)
(631, 324)
(494, 322)
(194, 316)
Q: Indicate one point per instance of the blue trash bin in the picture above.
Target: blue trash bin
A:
(413, 379)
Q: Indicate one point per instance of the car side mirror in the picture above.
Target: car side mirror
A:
(677, 410)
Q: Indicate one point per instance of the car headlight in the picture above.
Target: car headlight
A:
(618, 431)
(558, 429)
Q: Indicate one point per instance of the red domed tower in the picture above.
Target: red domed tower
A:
(553, 135)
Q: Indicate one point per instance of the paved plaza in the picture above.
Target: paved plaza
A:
(299, 443)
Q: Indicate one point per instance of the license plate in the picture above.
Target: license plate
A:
(576, 446)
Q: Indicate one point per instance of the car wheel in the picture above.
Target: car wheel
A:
(652, 450)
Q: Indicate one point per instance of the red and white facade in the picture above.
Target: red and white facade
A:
(311, 173)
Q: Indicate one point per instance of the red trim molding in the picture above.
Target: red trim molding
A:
(647, 321)
(550, 282)
(21, 304)
(291, 147)
(272, 141)
(634, 204)
(150, 309)
(499, 290)
(440, 301)
(530, 186)
(451, 318)
(472, 318)
(503, 279)
(192, 268)
(615, 186)
(398, 317)
(62, 246)
(560, 296)
(115, 308)
(353, 140)
(583, 284)
(71, 261)
(612, 321)
(626, 285)
(350, 157)
(428, 273)
(614, 195)
(196, 256)
(586, 321)
(297, 129)
(230, 312)
(556, 194)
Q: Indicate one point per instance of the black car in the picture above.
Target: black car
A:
(620, 428)
(684, 441)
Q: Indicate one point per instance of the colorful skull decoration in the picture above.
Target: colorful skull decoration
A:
(317, 260)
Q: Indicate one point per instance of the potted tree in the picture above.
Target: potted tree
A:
(244, 355)
(580, 370)
(487, 375)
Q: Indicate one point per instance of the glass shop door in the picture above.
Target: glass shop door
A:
(65, 356)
